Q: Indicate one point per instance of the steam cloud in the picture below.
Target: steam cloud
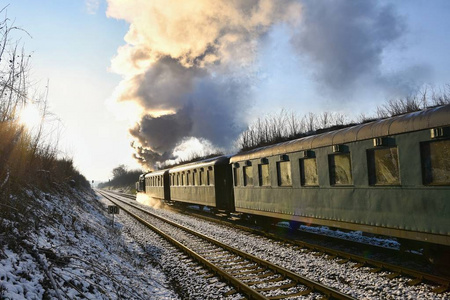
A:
(183, 64)
(346, 39)
(189, 64)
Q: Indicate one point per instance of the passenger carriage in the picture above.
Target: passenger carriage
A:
(388, 177)
(206, 183)
(157, 184)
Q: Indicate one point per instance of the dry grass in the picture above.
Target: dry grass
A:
(28, 157)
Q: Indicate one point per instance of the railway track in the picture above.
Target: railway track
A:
(248, 274)
(416, 277)
(441, 283)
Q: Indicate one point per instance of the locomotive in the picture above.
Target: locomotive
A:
(387, 177)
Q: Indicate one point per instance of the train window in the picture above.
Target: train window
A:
(248, 176)
(182, 178)
(308, 172)
(263, 174)
(284, 173)
(383, 166)
(237, 180)
(194, 178)
(436, 162)
(340, 169)
(210, 177)
(187, 177)
(201, 180)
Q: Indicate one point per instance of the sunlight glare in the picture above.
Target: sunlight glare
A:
(30, 116)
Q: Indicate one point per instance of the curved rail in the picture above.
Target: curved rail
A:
(260, 271)
(416, 277)
(443, 283)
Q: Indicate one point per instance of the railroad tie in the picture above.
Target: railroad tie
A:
(284, 286)
(440, 289)
(415, 281)
(301, 293)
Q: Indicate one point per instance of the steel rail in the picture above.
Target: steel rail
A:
(415, 275)
(239, 285)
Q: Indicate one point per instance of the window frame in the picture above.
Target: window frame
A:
(201, 181)
(303, 173)
(279, 181)
(244, 175)
(210, 179)
(372, 171)
(332, 175)
(423, 161)
(260, 175)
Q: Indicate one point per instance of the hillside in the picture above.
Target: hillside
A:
(63, 246)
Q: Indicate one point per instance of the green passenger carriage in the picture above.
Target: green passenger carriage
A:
(157, 184)
(205, 183)
(388, 177)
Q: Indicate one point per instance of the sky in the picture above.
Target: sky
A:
(141, 82)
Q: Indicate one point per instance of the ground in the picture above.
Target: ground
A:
(64, 246)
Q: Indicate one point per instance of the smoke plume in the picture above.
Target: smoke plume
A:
(186, 63)
(346, 40)
(190, 65)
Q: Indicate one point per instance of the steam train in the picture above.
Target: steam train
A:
(388, 177)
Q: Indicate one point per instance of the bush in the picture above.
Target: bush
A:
(26, 159)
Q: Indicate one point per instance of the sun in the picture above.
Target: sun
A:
(30, 116)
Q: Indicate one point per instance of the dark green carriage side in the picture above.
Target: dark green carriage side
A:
(205, 183)
(350, 188)
(157, 184)
(224, 185)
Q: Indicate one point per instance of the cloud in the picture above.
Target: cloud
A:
(188, 64)
(92, 6)
(346, 40)
(198, 32)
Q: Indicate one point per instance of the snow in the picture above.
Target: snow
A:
(85, 256)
